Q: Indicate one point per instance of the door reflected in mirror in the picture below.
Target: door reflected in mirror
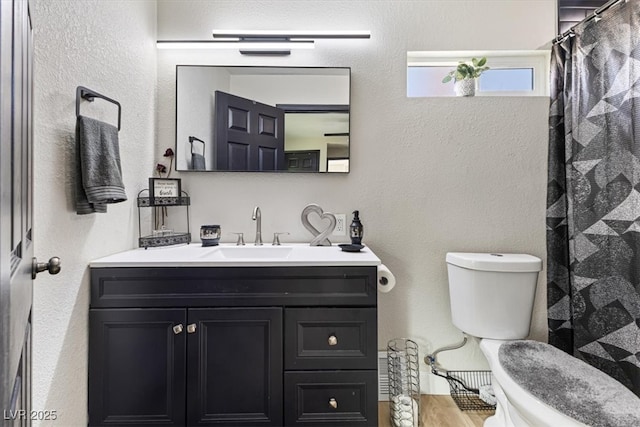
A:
(271, 119)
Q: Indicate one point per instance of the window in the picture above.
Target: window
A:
(425, 81)
(511, 73)
(506, 80)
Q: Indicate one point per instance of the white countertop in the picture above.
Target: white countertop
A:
(230, 255)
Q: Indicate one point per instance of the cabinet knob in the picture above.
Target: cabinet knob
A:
(191, 328)
(333, 403)
(177, 329)
(333, 340)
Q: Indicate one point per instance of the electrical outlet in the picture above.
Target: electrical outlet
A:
(341, 225)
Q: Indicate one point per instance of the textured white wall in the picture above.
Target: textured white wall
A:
(428, 175)
(108, 46)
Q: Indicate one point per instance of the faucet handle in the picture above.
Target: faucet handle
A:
(276, 238)
(240, 241)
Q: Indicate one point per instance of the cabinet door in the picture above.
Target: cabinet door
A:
(234, 372)
(137, 367)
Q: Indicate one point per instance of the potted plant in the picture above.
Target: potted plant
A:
(465, 75)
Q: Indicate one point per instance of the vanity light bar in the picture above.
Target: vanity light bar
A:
(291, 35)
(242, 45)
(262, 42)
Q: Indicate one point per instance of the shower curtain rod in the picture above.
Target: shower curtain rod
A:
(560, 37)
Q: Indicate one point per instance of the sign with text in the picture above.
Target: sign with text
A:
(164, 188)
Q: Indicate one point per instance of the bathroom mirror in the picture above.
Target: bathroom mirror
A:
(275, 119)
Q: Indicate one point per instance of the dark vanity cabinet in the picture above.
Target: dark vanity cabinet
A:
(233, 346)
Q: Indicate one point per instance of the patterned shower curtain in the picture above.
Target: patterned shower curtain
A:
(593, 194)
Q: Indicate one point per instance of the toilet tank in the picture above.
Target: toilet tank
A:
(492, 294)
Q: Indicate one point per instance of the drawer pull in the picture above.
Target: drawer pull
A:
(177, 329)
(333, 340)
(191, 328)
(333, 403)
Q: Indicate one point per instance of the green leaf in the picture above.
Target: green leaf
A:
(475, 62)
(447, 79)
(481, 62)
(464, 69)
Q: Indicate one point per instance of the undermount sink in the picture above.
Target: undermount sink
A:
(255, 252)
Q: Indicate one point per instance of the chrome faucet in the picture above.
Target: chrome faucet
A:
(257, 216)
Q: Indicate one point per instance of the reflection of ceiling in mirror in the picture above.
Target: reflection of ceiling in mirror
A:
(313, 126)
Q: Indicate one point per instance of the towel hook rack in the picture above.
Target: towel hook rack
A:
(89, 95)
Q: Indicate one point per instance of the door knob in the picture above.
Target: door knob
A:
(53, 266)
(191, 328)
(177, 328)
(333, 340)
(333, 403)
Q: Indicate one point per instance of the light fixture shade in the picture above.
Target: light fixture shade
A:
(291, 34)
(243, 45)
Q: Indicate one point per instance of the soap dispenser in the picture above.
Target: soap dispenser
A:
(355, 230)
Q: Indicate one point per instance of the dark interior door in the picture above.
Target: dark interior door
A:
(249, 136)
(16, 246)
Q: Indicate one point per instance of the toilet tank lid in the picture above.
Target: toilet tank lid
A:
(521, 263)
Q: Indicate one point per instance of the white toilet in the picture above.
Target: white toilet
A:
(492, 298)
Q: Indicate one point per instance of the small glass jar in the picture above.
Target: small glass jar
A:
(210, 235)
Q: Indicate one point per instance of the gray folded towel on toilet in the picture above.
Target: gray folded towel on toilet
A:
(98, 170)
(197, 162)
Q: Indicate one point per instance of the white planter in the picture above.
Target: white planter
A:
(466, 87)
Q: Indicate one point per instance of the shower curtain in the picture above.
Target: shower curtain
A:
(593, 194)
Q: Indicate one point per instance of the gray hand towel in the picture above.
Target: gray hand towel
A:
(197, 162)
(99, 175)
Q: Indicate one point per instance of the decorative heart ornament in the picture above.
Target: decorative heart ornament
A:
(320, 238)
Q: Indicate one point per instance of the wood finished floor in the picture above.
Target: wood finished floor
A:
(437, 411)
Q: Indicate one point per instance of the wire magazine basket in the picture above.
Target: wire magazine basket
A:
(470, 390)
(465, 389)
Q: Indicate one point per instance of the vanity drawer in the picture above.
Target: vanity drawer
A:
(122, 287)
(330, 338)
(327, 398)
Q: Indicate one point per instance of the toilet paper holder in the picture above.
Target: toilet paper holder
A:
(386, 279)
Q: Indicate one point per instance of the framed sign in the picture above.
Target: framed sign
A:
(167, 189)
